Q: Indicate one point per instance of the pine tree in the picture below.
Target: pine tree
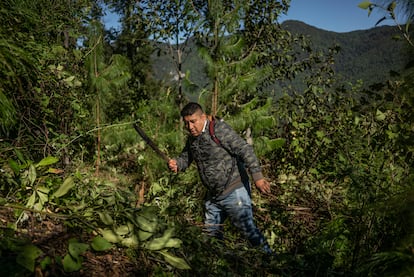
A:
(104, 77)
(235, 67)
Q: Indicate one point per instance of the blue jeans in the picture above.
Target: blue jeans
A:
(238, 207)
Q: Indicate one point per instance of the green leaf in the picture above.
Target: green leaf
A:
(143, 235)
(45, 262)
(174, 260)
(161, 242)
(27, 256)
(110, 235)
(124, 229)
(19, 155)
(38, 206)
(320, 134)
(391, 6)
(43, 189)
(43, 197)
(64, 188)
(147, 224)
(106, 218)
(277, 143)
(31, 201)
(365, 5)
(47, 161)
(174, 243)
(100, 244)
(14, 166)
(69, 79)
(391, 135)
(71, 264)
(380, 116)
(32, 175)
(155, 188)
(77, 248)
(130, 241)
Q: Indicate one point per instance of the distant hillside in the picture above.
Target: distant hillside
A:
(368, 55)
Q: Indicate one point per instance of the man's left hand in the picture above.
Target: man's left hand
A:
(263, 185)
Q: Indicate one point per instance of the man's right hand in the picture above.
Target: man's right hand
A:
(172, 164)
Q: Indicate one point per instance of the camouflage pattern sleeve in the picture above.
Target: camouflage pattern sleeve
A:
(185, 158)
(237, 146)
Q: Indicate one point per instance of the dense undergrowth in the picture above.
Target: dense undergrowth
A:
(341, 199)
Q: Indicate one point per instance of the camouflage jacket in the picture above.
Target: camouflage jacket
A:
(217, 164)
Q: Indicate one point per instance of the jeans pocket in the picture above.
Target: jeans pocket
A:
(242, 197)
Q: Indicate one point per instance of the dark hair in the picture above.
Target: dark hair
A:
(191, 108)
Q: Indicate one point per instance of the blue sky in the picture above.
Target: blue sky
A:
(334, 15)
(331, 15)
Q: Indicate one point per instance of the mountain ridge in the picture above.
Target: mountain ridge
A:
(368, 55)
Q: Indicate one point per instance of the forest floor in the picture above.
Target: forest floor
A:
(51, 236)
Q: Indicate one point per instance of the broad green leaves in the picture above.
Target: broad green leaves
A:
(380, 116)
(32, 178)
(106, 218)
(47, 161)
(100, 244)
(165, 241)
(73, 259)
(64, 188)
(143, 230)
(110, 235)
(343, 149)
(28, 255)
(174, 260)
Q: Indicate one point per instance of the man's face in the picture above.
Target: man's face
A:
(195, 123)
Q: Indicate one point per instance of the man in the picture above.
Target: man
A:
(222, 170)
